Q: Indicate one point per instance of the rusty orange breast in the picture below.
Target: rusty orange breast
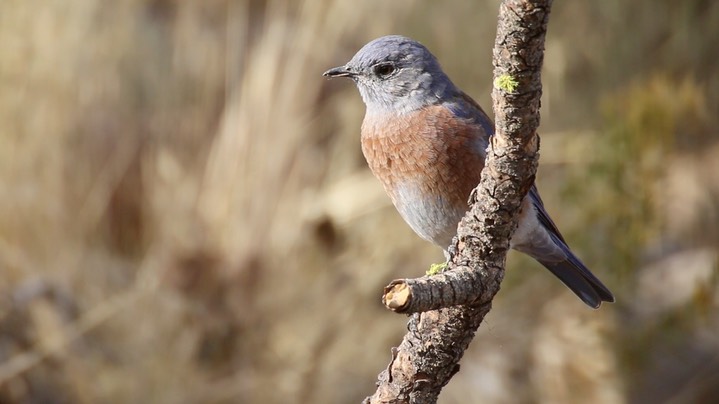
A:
(428, 162)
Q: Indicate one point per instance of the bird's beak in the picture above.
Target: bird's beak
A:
(341, 71)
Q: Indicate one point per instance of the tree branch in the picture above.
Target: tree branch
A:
(429, 354)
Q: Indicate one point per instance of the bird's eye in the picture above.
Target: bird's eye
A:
(383, 69)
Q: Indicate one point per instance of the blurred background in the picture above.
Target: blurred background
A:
(186, 216)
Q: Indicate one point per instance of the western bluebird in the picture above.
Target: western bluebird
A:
(426, 141)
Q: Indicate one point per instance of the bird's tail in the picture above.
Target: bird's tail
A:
(573, 273)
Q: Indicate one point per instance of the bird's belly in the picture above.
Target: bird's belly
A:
(433, 217)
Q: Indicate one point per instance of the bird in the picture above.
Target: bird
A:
(425, 140)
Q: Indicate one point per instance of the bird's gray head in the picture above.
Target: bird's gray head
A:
(395, 74)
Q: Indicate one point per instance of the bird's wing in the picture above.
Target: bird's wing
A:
(542, 214)
(464, 107)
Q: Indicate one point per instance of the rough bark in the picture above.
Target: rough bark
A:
(459, 298)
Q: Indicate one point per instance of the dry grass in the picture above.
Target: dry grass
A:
(185, 215)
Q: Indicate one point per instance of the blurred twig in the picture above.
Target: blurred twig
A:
(145, 284)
